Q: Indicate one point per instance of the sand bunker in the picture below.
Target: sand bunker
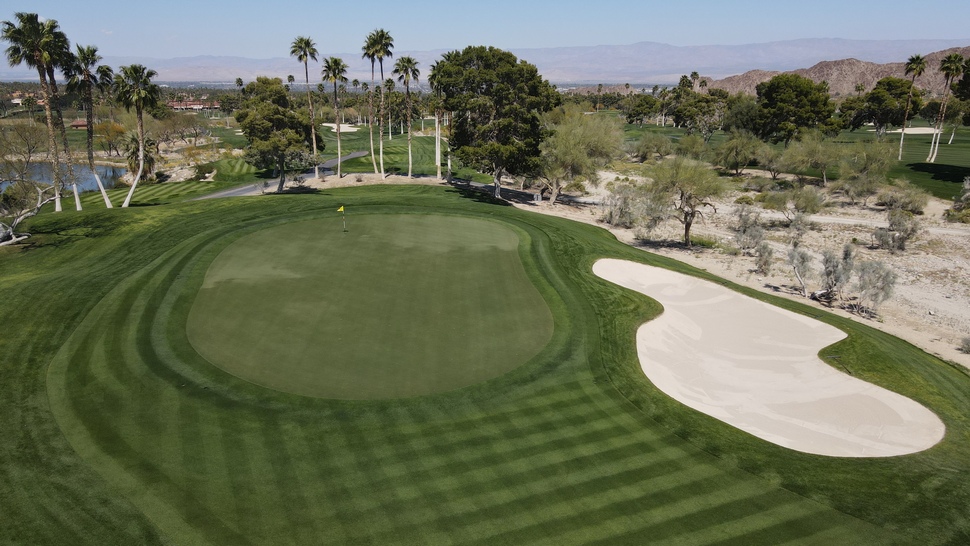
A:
(344, 128)
(756, 367)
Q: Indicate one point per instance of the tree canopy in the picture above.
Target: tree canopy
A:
(686, 187)
(497, 101)
(790, 103)
(578, 146)
(278, 137)
(882, 107)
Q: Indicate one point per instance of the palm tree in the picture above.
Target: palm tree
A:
(304, 49)
(406, 70)
(60, 56)
(951, 66)
(29, 102)
(83, 76)
(335, 71)
(239, 84)
(370, 54)
(30, 42)
(915, 66)
(389, 90)
(377, 46)
(133, 88)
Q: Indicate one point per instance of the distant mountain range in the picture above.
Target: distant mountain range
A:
(844, 75)
(639, 64)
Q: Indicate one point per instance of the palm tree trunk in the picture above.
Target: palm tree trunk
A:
(902, 133)
(141, 158)
(437, 144)
(89, 117)
(380, 124)
(935, 143)
(336, 109)
(370, 122)
(54, 155)
(59, 123)
(313, 124)
(408, 91)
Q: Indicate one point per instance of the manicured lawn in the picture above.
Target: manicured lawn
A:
(153, 194)
(396, 306)
(117, 431)
(395, 154)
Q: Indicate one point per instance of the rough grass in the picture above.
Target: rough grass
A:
(116, 432)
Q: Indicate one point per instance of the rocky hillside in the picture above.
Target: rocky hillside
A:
(843, 76)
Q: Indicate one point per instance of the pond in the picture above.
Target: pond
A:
(85, 178)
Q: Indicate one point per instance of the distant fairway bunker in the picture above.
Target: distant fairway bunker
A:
(400, 305)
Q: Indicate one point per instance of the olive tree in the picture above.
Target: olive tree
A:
(688, 187)
(875, 285)
(575, 150)
(21, 195)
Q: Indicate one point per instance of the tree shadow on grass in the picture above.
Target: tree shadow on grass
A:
(480, 194)
(945, 176)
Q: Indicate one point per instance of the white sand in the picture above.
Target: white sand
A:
(756, 367)
(344, 128)
(913, 131)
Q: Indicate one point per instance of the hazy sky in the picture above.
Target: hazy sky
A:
(264, 29)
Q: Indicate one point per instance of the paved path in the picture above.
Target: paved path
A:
(257, 187)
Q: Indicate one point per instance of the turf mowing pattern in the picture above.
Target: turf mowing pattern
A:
(117, 431)
(397, 306)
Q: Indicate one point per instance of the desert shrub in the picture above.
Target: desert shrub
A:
(746, 200)
(965, 345)
(903, 226)
(875, 285)
(960, 211)
(759, 184)
(857, 188)
(358, 177)
(691, 146)
(962, 216)
(204, 170)
(806, 200)
(653, 144)
(770, 159)
(801, 264)
(748, 233)
(703, 241)
(764, 254)
(836, 271)
(904, 196)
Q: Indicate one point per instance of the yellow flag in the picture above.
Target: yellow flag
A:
(341, 209)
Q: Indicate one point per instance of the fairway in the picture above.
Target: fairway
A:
(397, 306)
(130, 419)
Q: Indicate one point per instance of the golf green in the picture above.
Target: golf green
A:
(396, 306)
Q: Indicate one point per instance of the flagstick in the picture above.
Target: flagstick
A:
(345, 221)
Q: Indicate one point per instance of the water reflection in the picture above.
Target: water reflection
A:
(85, 179)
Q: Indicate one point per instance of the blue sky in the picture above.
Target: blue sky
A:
(261, 29)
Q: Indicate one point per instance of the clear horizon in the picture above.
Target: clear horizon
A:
(247, 29)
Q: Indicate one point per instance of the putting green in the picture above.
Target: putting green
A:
(398, 306)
